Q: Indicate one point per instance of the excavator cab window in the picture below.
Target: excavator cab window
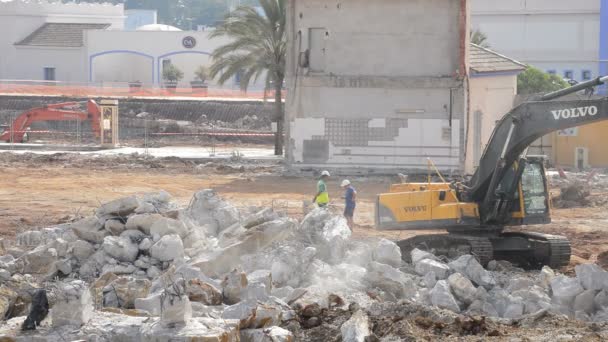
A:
(534, 189)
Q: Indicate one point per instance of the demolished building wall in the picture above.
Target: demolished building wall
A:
(379, 87)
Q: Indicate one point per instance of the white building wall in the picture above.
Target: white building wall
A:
(19, 19)
(491, 98)
(127, 56)
(553, 35)
(380, 91)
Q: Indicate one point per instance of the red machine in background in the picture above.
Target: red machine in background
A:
(67, 111)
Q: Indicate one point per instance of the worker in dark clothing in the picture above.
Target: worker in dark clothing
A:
(350, 202)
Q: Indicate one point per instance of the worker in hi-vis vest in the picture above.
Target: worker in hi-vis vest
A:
(322, 197)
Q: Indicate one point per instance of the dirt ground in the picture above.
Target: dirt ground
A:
(39, 191)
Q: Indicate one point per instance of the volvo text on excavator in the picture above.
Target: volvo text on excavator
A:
(66, 111)
(507, 189)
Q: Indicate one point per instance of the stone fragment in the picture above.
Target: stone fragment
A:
(582, 316)
(176, 309)
(468, 266)
(149, 304)
(208, 209)
(122, 292)
(7, 299)
(4, 275)
(197, 329)
(153, 272)
(120, 248)
(391, 280)
(482, 308)
(425, 266)
(119, 269)
(591, 276)
(40, 261)
(168, 248)
(257, 238)
(565, 289)
(121, 207)
(441, 297)
(387, 252)
(262, 277)
(199, 291)
(430, 279)
(73, 306)
(514, 310)
(545, 277)
(462, 288)
(29, 238)
(244, 312)
(115, 227)
(357, 328)
(585, 302)
(167, 226)
(145, 244)
(418, 255)
(328, 233)
(601, 300)
(143, 222)
(262, 216)
(271, 334)
(519, 283)
(90, 229)
(82, 250)
(64, 266)
(234, 286)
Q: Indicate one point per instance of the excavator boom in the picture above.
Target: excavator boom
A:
(65, 111)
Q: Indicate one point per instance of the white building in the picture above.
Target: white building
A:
(565, 37)
(83, 43)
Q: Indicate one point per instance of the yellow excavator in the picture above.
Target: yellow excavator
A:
(508, 188)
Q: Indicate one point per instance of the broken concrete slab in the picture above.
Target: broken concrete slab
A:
(73, 306)
(585, 301)
(234, 286)
(387, 252)
(121, 207)
(168, 248)
(199, 291)
(565, 289)
(418, 255)
(168, 226)
(462, 288)
(391, 280)
(271, 334)
(142, 222)
(255, 239)
(441, 297)
(357, 328)
(591, 276)
(196, 329)
(440, 269)
(120, 248)
(468, 266)
(123, 291)
(90, 229)
(115, 227)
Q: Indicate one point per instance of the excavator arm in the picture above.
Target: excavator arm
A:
(520, 128)
(54, 112)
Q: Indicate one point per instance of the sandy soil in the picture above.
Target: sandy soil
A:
(39, 193)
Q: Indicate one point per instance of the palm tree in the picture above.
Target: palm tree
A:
(479, 38)
(258, 46)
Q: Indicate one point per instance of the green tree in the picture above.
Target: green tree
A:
(258, 46)
(479, 38)
(534, 81)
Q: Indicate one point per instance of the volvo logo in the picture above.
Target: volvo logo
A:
(189, 42)
(574, 112)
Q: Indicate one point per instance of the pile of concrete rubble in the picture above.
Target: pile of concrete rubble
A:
(142, 269)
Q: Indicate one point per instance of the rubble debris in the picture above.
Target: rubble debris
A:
(356, 329)
(258, 276)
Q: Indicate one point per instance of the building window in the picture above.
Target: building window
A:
(49, 74)
(166, 63)
(551, 72)
(569, 74)
(586, 75)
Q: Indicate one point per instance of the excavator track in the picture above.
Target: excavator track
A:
(450, 245)
(551, 250)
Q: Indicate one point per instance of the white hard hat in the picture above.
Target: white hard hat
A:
(325, 173)
(345, 182)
